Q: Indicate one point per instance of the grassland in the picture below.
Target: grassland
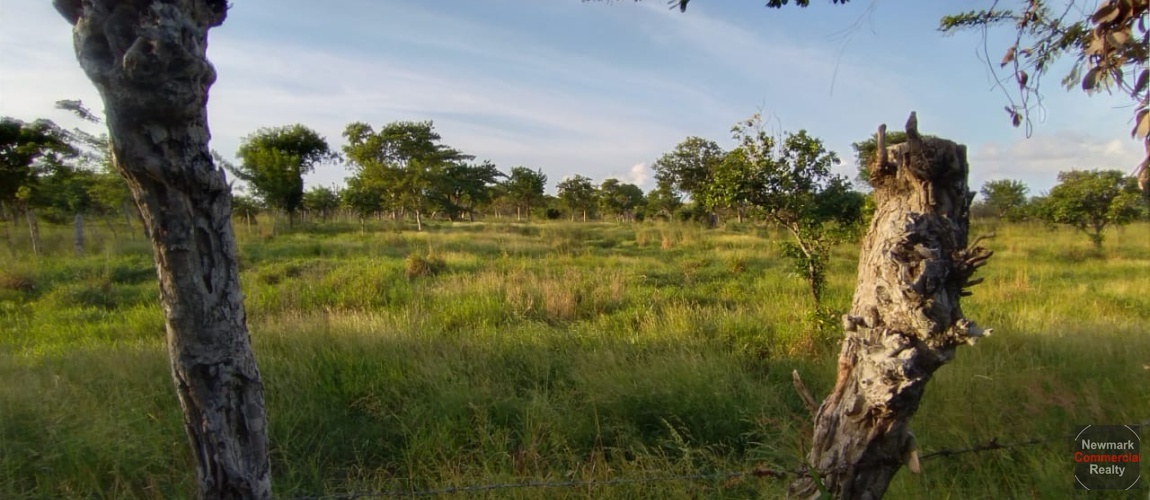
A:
(485, 353)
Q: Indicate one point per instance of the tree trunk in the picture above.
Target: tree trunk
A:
(127, 218)
(111, 227)
(6, 213)
(905, 321)
(147, 60)
(78, 234)
(33, 231)
(418, 221)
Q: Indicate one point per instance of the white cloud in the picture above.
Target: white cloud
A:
(508, 122)
(565, 110)
(638, 175)
(1037, 161)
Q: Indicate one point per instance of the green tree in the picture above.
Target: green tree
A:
(794, 186)
(842, 209)
(25, 150)
(62, 191)
(1006, 198)
(321, 200)
(468, 186)
(108, 191)
(662, 201)
(245, 207)
(524, 188)
(865, 151)
(690, 167)
(734, 182)
(1092, 200)
(577, 194)
(619, 198)
(29, 152)
(362, 199)
(273, 162)
(404, 161)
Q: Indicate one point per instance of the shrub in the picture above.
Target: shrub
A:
(416, 265)
(17, 281)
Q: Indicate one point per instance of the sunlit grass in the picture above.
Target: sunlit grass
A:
(548, 352)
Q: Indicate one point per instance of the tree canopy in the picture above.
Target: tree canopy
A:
(26, 149)
(1005, 198)
(404, 163)
(577, 193)
(689, 168)
(619, 198)
(1091, 200)
(524, 187)
(273, 162)
(790, 180)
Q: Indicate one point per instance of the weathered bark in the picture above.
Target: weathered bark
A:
(905, 321)
(147, 59)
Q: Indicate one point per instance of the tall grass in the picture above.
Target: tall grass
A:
(492, 353)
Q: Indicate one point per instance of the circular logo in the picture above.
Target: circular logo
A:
(1106, 457)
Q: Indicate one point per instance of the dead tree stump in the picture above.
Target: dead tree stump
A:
(905, 320)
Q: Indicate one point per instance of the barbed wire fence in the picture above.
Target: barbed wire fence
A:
(760, 472)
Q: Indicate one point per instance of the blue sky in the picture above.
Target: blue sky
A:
(599, 88)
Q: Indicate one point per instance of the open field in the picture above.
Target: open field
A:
(550, 352)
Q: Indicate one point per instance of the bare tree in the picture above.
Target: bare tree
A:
(905, 321)
(147, 58)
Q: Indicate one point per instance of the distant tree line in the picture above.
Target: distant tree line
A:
(403, 171)
(1087, 200)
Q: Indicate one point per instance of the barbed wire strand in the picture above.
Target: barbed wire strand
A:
(758, 472)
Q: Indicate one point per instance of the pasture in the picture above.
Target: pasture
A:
(492, 353)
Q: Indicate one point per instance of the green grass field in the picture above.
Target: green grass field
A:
(488, 353)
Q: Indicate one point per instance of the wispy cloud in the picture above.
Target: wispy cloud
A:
(1038, 160)
(602, 94)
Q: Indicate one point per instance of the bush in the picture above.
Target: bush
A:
(416, 265)
(17, 282)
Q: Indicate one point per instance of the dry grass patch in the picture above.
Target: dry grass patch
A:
(17, 281)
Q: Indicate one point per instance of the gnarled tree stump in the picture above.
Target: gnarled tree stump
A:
(905, 321)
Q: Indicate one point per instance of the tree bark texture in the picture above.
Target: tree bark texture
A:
(905, 321)
(147, 58)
